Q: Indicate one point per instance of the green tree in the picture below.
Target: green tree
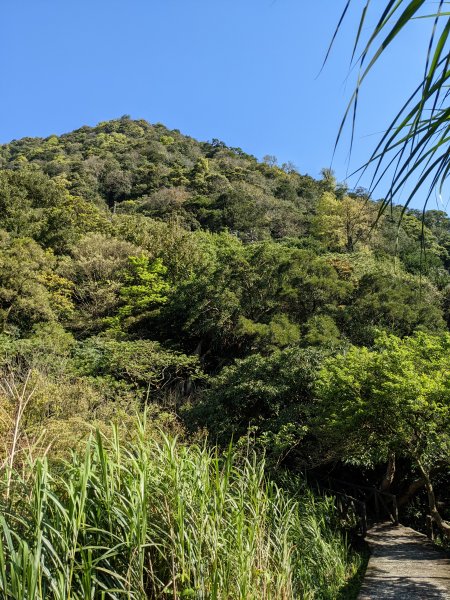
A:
(36, 206)
(98, 271)
(144, 289)
(241, 214)
(30, 291)
(269, 396)
(394, 399)
(143, 364)
(342, 223)
(394, 302)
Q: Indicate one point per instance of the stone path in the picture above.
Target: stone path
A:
(404, 565)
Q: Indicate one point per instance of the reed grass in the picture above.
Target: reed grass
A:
(158, 519)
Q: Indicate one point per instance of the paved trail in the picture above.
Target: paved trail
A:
(404, 565)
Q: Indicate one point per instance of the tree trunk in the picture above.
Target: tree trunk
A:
(413, 488)
(444, 527)
(389, 475)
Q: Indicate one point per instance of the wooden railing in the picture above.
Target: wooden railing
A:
(362, 499)
(345, 505)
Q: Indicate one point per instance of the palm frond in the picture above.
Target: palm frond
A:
(414, 149)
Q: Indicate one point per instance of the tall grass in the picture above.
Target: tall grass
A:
(163, 520)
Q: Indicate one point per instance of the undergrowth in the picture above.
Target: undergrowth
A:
(159, 519)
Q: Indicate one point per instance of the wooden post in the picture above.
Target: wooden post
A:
(395, 509)
(363, 519)
(429, 527)
(377, 504)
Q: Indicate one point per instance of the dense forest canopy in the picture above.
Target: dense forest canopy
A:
(140, 263)
(226, 296)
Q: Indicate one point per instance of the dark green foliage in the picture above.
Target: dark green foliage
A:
(141, 232)
(267, 283)
(141, 267)
(272, 396)
(33, 205)
(141, 363)
(399, 304)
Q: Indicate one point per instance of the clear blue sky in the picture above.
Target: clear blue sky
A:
(244, 71)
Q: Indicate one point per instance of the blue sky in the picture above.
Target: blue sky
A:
(244, 71)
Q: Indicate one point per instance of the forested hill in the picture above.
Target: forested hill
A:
(138, 264)
(232, 299)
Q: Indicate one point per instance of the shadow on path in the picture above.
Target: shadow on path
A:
(404, 564)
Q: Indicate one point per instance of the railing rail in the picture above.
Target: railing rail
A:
(344, 503)
(383, 502)
(361, 499)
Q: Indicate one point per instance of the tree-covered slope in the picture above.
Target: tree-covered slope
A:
(139, 266)
(154, 260)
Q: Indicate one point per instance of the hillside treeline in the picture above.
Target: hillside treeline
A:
(140, 268)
